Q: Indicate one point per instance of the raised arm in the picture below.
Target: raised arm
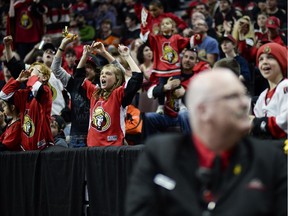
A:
(56, 68)
(7, 41)
(135, 82)
(125, 53)
(98, 48)
(86, 51)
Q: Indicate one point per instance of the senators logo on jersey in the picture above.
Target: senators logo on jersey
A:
(100, 120)
(169, 54)
(26, 21)
(28, 126)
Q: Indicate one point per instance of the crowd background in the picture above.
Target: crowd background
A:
(220, 29)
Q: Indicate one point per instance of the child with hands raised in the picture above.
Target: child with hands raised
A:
(166, 48)
(109, 100)
(80, 104)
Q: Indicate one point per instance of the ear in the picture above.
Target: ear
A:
(12, 107)
(203, 112)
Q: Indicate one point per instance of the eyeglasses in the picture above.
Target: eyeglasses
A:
(49, 51)
(231, 97)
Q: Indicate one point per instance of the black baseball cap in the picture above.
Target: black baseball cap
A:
(50, 46)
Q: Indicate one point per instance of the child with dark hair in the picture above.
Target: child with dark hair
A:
(11, 138)
(57, 125)
(70, 58)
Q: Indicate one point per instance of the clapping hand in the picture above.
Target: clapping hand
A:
(98, 47)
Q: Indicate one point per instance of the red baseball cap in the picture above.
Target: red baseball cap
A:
(273, 22)
(230, 38)
(92, 60)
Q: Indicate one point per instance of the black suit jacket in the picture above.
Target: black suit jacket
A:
(164, 181)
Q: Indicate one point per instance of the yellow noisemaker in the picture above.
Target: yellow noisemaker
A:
(66, 34)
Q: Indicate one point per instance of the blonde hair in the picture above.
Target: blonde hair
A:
(119, 81)
(174, 29)
(45, 70)
(250, 34)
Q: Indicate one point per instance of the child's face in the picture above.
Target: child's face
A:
(107, 79)
(269, 67)
(90, 72)
(227, 46)
(36, 70)
(54, 128)
(70, 59)
(166, 26)
(48, 56)
(6, 109)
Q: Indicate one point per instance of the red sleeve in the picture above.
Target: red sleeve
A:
(11, 86)
(274, 129)
(249, 53)
(182, 42)
(11, 89)
(181, 24)
(89, 87)
(144, 29)
(11, 138)
(137, 8)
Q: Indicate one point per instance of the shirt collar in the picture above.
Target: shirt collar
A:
(206, 156)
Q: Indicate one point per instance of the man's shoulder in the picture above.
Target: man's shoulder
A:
(167, 142)
(211, 39)
(265, 147)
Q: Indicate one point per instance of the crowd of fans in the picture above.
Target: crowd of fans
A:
(64, 65)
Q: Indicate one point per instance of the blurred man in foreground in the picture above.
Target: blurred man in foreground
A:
(216, 170)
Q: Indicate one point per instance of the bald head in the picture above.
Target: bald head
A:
(205, 85)
(218, 105)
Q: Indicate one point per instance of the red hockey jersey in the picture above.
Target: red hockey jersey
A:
(166, 54)
(11, 138)
(34, 104)
(107, 117)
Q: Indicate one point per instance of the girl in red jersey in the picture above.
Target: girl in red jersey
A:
(109, 100)
(166, 48)
(34, 104)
